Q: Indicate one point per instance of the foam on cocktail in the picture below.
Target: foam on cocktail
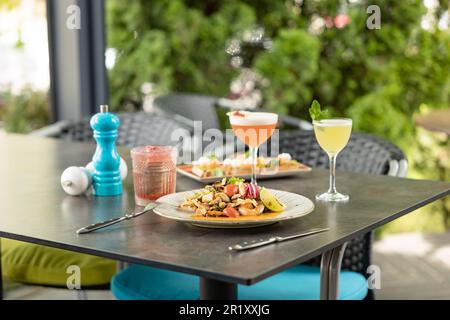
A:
(333, 122)
(246, 118)
(253, 128)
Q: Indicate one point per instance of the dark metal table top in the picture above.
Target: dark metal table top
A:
(34, 208)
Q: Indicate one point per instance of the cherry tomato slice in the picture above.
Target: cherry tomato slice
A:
(231, 190)
(231, 212)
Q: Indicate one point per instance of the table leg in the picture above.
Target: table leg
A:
(121, 266)
(325, 274)
(217, 290)
(330, 267)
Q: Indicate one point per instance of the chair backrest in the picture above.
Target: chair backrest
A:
(190, 106)
(363, 154)
(135, 129)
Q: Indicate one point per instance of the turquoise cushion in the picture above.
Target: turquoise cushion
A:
(298, 283)
(145, 283)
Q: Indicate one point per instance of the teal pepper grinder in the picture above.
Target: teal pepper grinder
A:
(106, 161)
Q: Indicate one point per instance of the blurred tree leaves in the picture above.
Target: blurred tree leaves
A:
(378, 77)
(177, 47)
(25, 111)
(291, 67)
(9, 4)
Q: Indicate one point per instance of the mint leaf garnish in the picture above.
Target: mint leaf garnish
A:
(316, 112)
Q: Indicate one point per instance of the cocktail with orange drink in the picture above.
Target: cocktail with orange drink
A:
(253, 128)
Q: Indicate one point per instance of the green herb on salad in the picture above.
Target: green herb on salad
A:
(316, 112)
(234, 180)
(197, 195)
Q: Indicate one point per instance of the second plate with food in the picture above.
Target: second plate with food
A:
(296, 206)
(186, 170)
(209, 169)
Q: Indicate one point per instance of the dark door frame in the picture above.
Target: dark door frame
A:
(78, 80)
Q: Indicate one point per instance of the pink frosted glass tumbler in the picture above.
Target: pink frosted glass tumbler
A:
(154, 172)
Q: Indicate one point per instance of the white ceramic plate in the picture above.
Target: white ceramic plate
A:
(186, 170)
(296, 206)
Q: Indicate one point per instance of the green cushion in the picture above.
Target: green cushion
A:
(36, 264)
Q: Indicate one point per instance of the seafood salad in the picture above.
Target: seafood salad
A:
(232, 198)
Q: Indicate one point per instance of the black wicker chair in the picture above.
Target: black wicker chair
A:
(364, 154)
(135, 129)
(185, 106)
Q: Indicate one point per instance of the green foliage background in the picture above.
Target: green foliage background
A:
(24, 112)
(380, 78)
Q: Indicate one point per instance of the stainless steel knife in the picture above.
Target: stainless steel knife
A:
(103, 224)
(263, 242)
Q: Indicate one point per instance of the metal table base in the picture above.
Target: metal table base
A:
(330, 267)
(217, 290)
(329, 280)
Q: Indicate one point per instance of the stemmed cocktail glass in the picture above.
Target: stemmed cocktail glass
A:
(253, 128)
(332, 135)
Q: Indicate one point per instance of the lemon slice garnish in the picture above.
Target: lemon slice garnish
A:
(270, 201)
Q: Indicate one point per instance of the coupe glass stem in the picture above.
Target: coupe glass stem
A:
(332, 188)
(254, 154)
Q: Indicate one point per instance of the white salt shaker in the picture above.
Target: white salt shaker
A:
(76, 180)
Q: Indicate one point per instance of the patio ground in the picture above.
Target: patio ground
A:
(413, 266)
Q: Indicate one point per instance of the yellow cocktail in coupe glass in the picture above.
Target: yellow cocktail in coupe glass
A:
(253, 128)
(332, 135)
